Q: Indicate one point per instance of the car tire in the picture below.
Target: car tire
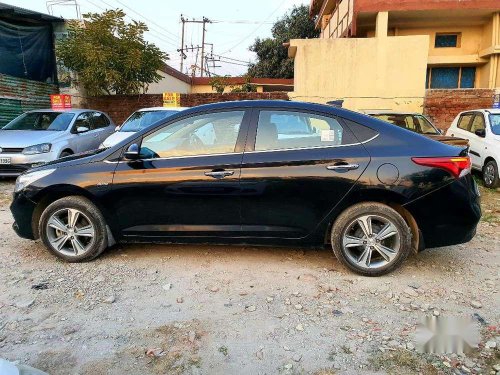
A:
(73, 229)
(363, 234)
(490, 175)
(65, 153)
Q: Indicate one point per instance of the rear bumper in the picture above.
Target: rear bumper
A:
(22, 209)
(449, 215)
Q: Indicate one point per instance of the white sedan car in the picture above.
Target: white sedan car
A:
(482, 128)
(139, 120)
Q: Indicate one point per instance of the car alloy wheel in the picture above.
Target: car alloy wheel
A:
(489, 174)
(70, 232)
(371, 241)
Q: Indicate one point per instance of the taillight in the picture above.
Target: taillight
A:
(458, 166)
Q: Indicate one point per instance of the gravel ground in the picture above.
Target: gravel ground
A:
(158, 309)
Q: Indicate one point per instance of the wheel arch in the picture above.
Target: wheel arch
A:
(51, 194)
(66, 149)
(390, 198)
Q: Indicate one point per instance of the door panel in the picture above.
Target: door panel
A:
(176, 197)
(83, 141)
(187, 183)
(288, 190)
(477, 142)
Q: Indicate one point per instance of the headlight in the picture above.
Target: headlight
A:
(28, 178)
(37, 149)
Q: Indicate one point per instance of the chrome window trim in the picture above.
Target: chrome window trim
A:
(313, 147)
(248, 152)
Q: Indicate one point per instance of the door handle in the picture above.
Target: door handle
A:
(219, 174)
(342, 167)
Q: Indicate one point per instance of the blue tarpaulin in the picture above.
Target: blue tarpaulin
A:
(26, 51)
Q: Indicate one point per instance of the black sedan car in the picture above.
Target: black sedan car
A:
(261, 172)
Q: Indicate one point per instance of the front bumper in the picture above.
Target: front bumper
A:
(449, 215)
(22, 209)
(20, 162)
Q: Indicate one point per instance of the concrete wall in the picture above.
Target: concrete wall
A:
(369, 73)
(442, 106)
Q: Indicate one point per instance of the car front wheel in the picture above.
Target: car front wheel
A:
(371, 239)
(490, 175)
(73, 229)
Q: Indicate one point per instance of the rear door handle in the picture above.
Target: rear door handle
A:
(342, 167)
(219, 174)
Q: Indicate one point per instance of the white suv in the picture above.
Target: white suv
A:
(482, 128)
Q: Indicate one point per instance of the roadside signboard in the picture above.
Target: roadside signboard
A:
(496, 101)
(171, 99)
(60, 101)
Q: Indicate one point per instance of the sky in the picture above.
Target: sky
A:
(236, 24)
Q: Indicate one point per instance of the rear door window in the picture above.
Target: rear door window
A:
(464, 121)
(279, 130)
(99, 120)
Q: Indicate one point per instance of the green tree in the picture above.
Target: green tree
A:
(109, 55)
(219, 83)
(272, 56)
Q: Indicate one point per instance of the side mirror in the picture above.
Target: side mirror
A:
(117, 128)
(82, 129)
(132, 152)
(480, 133)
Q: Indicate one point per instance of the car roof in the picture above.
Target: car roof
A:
(483, 110)
(151, 109)
(75, 111)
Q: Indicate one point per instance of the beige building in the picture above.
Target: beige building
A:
(384, 54)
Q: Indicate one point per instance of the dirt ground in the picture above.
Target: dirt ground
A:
(158, 309)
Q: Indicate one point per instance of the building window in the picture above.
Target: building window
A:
(447, 40)
(451, 78)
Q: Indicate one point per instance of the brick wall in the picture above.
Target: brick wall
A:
(442, 106)
(119, 107)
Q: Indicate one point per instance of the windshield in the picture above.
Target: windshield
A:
(415, 123)
(54, 121)
(495, 123)
(143, 119)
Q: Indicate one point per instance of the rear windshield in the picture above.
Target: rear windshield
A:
(495, 123)
(143, 119)
(415, 123)
(53, 121)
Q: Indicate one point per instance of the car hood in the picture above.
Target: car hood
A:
(454, 141)
(116, 138)
(25, 138)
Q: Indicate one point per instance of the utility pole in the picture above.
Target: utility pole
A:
(181, 50)
(203, 21)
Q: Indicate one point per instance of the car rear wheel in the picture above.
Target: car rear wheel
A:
(73, 229)
(371, 239)
(490, 175)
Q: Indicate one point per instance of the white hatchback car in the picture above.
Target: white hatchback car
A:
(139, 120)
(482, 128)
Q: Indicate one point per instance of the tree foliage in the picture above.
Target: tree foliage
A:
(272, 56)
(110, 55)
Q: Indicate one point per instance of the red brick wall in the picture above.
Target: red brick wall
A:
(442, 106)
(119, 107)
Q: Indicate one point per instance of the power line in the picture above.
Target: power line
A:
(256, 29)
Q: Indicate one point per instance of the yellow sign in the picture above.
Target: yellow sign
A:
(171, 99)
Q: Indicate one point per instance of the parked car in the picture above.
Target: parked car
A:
(419, 124)
(221, 173)
(40, 136)
(139, 120)
(482, 128)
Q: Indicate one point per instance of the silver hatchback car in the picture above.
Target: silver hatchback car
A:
(40, 136)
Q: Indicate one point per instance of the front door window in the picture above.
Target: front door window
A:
(208, 134)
